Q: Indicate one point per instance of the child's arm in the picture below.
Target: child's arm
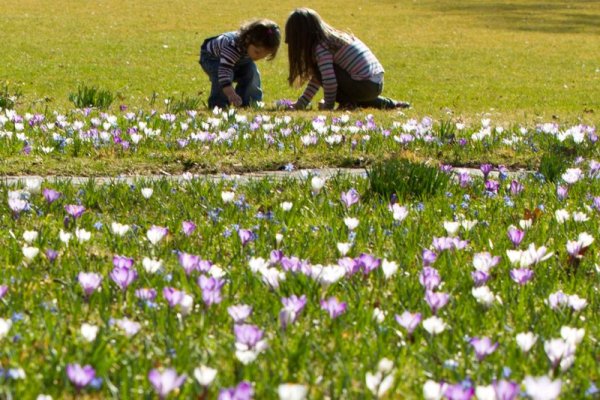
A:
(329, 81)
(232, 96)
(311, 89)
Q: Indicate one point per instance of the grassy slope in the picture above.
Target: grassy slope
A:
(518, 60)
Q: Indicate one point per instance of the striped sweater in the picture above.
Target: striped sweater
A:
(226, 49)
(355, 58)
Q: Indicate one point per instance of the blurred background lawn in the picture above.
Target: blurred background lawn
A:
(514, 60)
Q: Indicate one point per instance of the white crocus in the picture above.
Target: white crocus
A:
(82, 235)
(542, 388)
(30, 252)
(451, 227)
(399, 213)
(483, 295)
(485, 392)
(64, 237)
(88, 332)
(227, 196)
(433, 390)
(119, 229)
(5, 325)
(151, 266)
(286, 206)
(573, 336)
(526, 340)
(292, 391)
(147, 192)
(580, 217)
(351, 223)
(205, 375)
(561, 216)
(389, 268)
(317, 184)
(434, 325)
(344, 248)
(30, 236)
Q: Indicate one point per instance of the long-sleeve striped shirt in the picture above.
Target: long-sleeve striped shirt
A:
(355, 58)
(226, 48)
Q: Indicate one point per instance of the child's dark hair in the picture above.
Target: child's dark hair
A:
(305, 29)
(261, 33)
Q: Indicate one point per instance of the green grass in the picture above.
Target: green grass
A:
(517, 61)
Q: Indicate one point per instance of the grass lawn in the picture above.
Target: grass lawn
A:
(513, 60)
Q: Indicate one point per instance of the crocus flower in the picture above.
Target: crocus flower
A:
(506, 390)
(243, 391)
(515, 187)
(246, 236)
(333, 306)
(122, 261)
(429, 257)
(123, 277)
(434, 325)
(211, 289)
(409, 321)
(166, 381)
(561, 192)
(3, 291)
(486, 169)
(80, 376)
(51, 254)
(368, 263)
(129, 327)
(156, 233)
(492, 185)
(239, 312)
(316, 184)
(146, 294)
(350, 197)
(292, 391)
(51, 195)
(292, 307)
(189, 262)
(483, 347)
(459, 392)
(516, 236)
(173, 296)
(188, 227)
(430, 278)
(480, 278)
(521, 275)
(5, 325)
(205, 375)
(542, 388)
(89, 281)
(526, 340)
(74, 210)
(436, 300)
(249, 342)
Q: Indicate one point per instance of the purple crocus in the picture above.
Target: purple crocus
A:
(123, 276)
(350, 265)
(506, 390)
(562, 192)
(243, 391)
(146, 294)
(239, 312)
(436, 300)
(515, 187)
(409, 321)
(188, 227)
(275, 256)
(291, 264)
(89, 281)
(459, 392)
(333, 306)
(516, 236)
(292, 307)
(51, 254)
(173, 296)
(247, 334)
(350, 197)
(189, 262)
(122, 262)
(430, 278)
(464, 179)
(80, 376)
(486, 169)
(492, 185)
(166, 381)
(51, 195)
(521, 275)
(211, 289)
(3, 291)
(246, 236)
(74, 210)
(483, 347)
(429, 257)
(480, 277)
(367, 263)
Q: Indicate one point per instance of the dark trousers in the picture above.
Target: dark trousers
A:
(245, 74)
(352, 93)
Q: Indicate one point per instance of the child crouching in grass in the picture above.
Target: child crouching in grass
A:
(230, 57)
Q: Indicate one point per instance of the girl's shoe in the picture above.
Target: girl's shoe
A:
(402, 104)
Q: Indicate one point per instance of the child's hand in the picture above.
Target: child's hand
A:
(235, 99)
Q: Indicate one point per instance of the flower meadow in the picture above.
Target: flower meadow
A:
(88, 141)
(308, 288)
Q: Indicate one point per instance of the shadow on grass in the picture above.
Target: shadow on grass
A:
(556, 17)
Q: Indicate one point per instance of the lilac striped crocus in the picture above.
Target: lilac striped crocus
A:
(243, 391)
(51, 255)
(492, 185)
(239, 312)
(246, 236)
(333, 306)
(516, 236)
(480, 278)
(80, 376)
(74, 210)
(3, 291)
(483, 347)
(122, 262)
(123, 277)
(189, 262)
(146, 294)
(156, 233)
(350, 197)
(429, 278)
(249, 342)
(506, 390)
(409, 321)
(486, 169)
(521, 275)
(165, 382)
(515, 187)
(211, 289)
(89, 281)
(368, 263)
(173, 296)
(292, 307)
(188, 227)
(436, 300)
(429, 257)
(459, 392)
(51, 195)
